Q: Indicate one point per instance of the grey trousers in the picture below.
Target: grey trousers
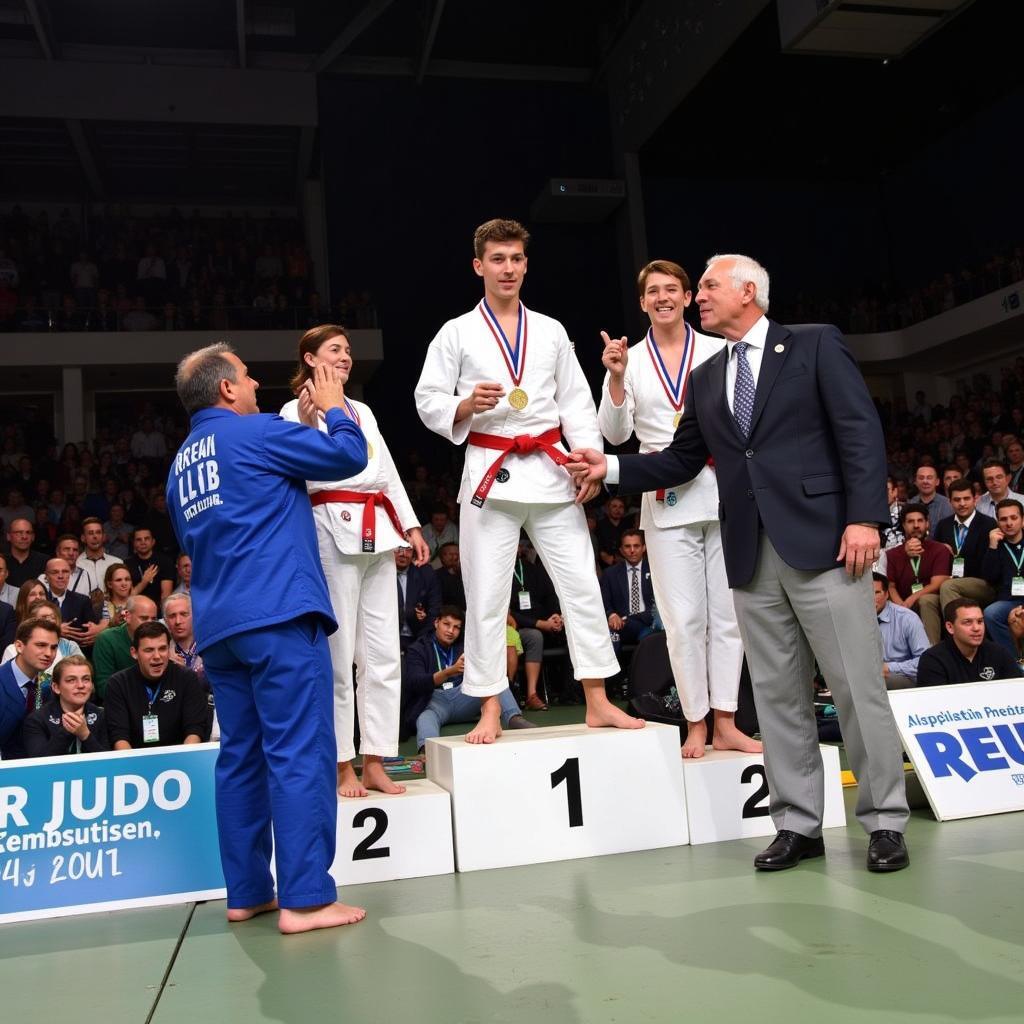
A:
(789, 618)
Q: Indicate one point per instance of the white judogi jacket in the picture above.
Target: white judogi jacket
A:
(465, 353)
(647, 410)
(380, 474)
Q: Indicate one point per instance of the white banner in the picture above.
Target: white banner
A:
(966, 743)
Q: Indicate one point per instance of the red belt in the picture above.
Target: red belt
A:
(659, 494)
(370, 500)
(521, 444)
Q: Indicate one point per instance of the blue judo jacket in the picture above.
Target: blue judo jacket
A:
(237, 498)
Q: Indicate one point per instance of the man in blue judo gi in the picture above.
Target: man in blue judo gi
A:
(238, 502)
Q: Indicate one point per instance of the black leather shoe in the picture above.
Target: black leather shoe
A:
(787, 850)
(887, 851)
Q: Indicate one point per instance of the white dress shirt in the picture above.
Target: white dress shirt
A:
(755, 339)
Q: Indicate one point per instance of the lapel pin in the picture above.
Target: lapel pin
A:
(780, 348)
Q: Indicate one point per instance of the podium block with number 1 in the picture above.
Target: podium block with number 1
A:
(556, 794)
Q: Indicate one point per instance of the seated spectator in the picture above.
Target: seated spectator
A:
(1015, 464)
(996, 476)
(926, 480)
(29, 593)
(627, 592)
(24, 682)
(80, 621)
(965, 656)
(117, 589)
(966, 534)
(609, 531)
(94, 560)
(903, 638)
(449, 576)
(534, 608)
(155, 703)
(138, 317)
(432, 694)
(1003, 567)
(112, 651)
(152, 574)
(177, 611)
(158, 522)
(69, 723)
(950, 475)
(45, 531)
(440, 530)
(8, 593)
(419, 597)
(917, 569)
(15, 507)
(41, 608)
(8, 623)
(69, 549)
(892, 535)
(23, 563)
(117, 532)
(183, 570)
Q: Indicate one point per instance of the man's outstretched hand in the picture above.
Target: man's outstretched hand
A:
(588, 467)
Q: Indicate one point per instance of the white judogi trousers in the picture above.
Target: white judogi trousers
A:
(363, 591)
(692, 594)
(489, 538)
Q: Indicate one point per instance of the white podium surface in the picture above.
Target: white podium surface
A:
(727, 795)
(554, 794)
(382, 837)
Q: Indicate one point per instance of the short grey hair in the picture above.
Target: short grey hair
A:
(178, 595)
(747, 270)
(199, 376)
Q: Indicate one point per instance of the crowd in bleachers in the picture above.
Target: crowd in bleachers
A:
(886, 306)
(161, 272)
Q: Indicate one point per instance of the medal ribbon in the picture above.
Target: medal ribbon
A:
(515, 358)
(675, 391)
(352, 414)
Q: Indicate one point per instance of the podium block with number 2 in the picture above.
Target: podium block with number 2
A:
(727, 795)
(562, 793)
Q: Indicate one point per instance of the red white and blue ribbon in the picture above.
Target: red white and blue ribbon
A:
(515, 357)
(674, 390)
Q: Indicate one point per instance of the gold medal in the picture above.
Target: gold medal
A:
(369, 450)
(518, 398)
(675, 419)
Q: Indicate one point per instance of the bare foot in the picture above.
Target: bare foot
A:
(308, 919)
(236, 914)
(605, 715)
(488, 729)
(348, 781)
(728, 737)
(374, 776)
(696, 739)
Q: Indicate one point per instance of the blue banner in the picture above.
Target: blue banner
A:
(106, 831)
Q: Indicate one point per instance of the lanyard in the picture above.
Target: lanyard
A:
(520, 573)
(153, 694)
(915, 564)
(449, 657)
(960, 534)
(1018, 559)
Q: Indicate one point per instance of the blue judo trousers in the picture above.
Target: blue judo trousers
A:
(237, 497)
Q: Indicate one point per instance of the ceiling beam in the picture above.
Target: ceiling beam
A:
(428, 43)
(371, 11)
(402, 67)
(37, 15)
(240, 29)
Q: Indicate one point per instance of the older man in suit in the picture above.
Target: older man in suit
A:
(800, 459)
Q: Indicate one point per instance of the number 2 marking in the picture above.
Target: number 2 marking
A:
(569, 773)
(750, 807)
(366, 850)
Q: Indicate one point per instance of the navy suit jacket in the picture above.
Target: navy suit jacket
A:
(77, 606)
(12, 713)
(975, 543)
(8, 624)
(422, 587)
(814, 461)
(615, 591)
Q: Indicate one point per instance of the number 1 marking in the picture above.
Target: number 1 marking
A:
(569, 773)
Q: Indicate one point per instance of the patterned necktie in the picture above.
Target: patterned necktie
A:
(743, 395)
(634, 590)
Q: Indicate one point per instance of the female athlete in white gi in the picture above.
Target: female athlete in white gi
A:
(359, 523)
(644, 390)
